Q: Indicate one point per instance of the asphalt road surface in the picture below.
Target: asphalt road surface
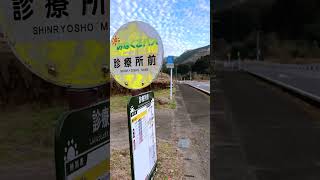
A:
(307, 82)
(266, 133)
(197, 104)
(192, 119)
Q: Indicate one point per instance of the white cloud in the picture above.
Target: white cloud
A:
(181, 25)
(204, 5)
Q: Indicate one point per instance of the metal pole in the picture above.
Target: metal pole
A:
(170, 83)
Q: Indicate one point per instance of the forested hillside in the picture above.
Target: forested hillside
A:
(287, 29)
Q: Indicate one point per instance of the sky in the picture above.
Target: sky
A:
(182, 24)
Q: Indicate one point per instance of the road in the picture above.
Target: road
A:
(263, 133)
(306, 82)
(192, 122)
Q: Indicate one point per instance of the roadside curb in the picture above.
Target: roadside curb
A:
(202, 90)
(291, 89)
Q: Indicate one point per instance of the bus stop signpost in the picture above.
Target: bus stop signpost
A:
(136, 59)
(170, 65)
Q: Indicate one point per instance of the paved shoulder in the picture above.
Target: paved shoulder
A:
(305, 84)
(279, 139)
(192, 121)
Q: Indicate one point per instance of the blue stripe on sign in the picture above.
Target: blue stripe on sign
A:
(170, 60)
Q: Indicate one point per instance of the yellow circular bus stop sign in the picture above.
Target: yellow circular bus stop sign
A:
(64, 42)
(136, 55)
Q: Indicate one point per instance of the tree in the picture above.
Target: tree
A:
(183, 69)
(202, 65)
(164, 69)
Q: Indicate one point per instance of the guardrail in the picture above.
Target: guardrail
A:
(312, 70)
(304, 70)
(228, 65)
(243, 64)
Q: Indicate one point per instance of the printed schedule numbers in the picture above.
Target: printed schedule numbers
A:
(144, 138)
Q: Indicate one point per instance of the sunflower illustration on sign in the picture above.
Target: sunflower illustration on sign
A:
(115, 40)
(136, 61)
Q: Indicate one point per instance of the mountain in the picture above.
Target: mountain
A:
(294, 20)
(191, 56)
(239, 19)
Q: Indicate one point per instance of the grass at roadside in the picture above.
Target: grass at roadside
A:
(118, 103)
(27, 132)
(170, 163)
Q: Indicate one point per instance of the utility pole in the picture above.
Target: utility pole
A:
(239, 59)
(176, 73)
(229, 56)
(190, 71)
(258, 45)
